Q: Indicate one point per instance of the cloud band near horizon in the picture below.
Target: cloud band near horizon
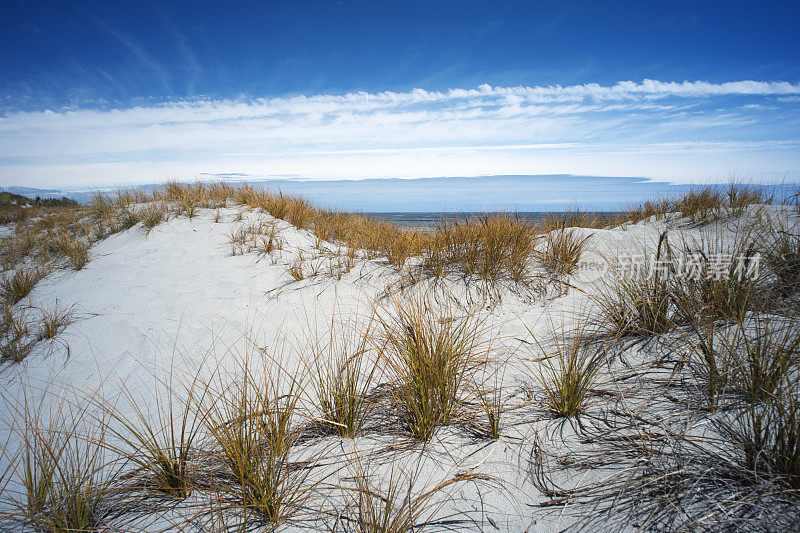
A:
(686, 131)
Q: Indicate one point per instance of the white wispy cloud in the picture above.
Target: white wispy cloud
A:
(136, 49)
(585, 128)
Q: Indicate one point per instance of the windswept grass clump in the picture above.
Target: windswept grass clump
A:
(562, 250)
(19, 334)
(276, 205)
(638, 304)
(15, 339)
(102, 208)
(703, 204)
(766, 439)
(782, 257)
(707, 204)
(710, 278)
(739, 474)
(655, 208)
(296, 269)
(124, 198)
(753, 458)
(719, 278)
(739, 196)
(723, 285)
(379, 238)
(17, 246)
(258, 235)
(73, 248)
(750, 359)
(396, 506)
(375, 238)
(159, 443)
(126, 220)
(187, 198)
(708, 360)
(492, 247)
(63, 472)
(430, 357)
(490, 399)
(53, 321)
(300, 212)
(399, 245)
(152, 215)
(568, 370)
(18, 285)
(341, 377)
(729, 462)
(637, 300)
(251, 418)
(189, 201)
(271, 240)
(765, 351)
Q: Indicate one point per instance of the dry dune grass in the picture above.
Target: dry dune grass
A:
(228, 440)
(568, 371)
(73, 248)
(431, 357)
(781, 253)
(716, 275)
(251, 416)
(577, 218)
(495, 247)
(728, 274)
(492, 247)
(18, 285)
(397, 505)
(16, 341)
(152, 215)
(638, 302)
(261, 235)
(563, 248)
(62, 469)
(726, 460)
(703, 204)
(67, 233)
(54, 320)
(158, 445)
(341, 378)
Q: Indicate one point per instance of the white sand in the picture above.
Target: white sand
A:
(177, 297)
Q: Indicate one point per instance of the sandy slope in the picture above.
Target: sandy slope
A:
(176, 296)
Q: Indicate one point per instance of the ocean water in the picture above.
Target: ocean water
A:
(428, 197)
(427, 221)
(480, 194)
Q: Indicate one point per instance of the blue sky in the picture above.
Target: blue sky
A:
(135, 92)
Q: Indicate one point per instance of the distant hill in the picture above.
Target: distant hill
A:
(80, 196)
(10, 201)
